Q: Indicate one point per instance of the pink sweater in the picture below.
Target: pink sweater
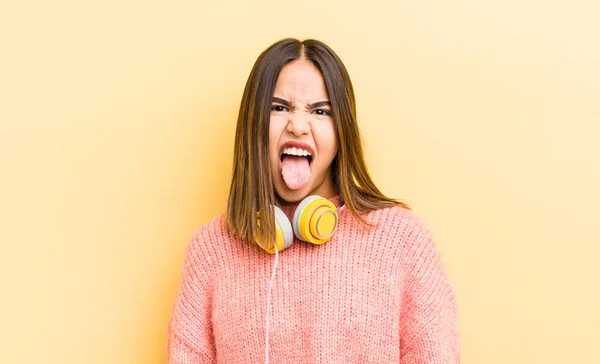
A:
(366, 296)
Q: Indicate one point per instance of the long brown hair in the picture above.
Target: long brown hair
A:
(251, 188)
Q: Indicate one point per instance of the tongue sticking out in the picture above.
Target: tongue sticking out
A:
(295, 171)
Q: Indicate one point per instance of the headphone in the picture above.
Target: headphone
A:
(315, 221)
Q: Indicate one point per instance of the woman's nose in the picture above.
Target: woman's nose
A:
(298, 123)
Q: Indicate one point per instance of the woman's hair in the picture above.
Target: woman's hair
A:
(251, 188)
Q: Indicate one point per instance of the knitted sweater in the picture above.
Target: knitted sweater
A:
(377, 295)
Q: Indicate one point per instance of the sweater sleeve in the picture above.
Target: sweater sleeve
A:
(189, 334)
(428, 319)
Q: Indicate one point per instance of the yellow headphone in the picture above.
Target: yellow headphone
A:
(315, 220)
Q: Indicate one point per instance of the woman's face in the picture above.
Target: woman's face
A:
(302, 140)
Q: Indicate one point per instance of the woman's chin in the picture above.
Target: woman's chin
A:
(291, 195)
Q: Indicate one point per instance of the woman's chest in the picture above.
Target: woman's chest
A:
(313, 296)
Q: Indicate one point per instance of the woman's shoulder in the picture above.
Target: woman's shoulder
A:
(406, 227)
(210, 238)
(398, 218)
(212, 229)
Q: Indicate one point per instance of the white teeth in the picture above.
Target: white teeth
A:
(296, 151)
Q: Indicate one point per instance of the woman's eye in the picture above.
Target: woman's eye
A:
(322, 112)
(278, 108)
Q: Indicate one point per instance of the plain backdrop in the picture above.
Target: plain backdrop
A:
(116, 132)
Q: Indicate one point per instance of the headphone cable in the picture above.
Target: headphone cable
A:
(269, 305)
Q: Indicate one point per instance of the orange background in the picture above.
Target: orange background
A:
(116, 131)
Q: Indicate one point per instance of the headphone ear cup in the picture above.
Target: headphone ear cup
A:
(298, 213)
(283, 233)
(284, 224)
(315, 220)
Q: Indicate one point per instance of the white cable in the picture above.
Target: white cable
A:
(269, 305)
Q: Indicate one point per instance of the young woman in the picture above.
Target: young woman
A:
(355, 276)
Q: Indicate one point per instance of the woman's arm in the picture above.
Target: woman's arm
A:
(190, 329)
(428, 328)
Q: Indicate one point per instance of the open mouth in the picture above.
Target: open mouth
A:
(283, 156)
(296, 166)
(296, 152)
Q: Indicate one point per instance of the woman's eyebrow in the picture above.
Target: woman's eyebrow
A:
(314, 105)
(282, 101)
(317, 104)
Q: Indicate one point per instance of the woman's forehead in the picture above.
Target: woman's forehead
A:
(301, 82)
